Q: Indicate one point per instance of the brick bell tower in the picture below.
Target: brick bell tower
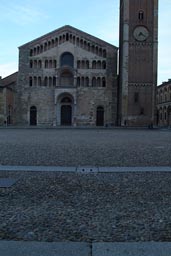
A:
(138, 62)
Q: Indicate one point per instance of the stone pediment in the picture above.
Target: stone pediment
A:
(68, 34)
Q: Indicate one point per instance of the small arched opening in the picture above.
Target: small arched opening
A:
(33, 115)
(100, 116)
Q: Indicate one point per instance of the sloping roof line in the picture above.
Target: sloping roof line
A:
(8, 80)
(62, 29)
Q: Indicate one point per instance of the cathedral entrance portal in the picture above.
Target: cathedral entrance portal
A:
(66, 111)
(66, 115)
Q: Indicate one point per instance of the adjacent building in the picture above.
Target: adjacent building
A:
(163, 98)
(7, 99)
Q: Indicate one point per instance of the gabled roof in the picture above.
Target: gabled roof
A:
(70, 29)
(9, 80)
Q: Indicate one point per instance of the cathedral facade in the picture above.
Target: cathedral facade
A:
(68, 77)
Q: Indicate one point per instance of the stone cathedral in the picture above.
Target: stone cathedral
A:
(68, 77)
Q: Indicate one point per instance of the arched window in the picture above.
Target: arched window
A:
(38, 49)
(46, 81)
(78, 41)
(35, 63)
(64, 38)
(54, 81)
(31, 52)
(141, 15)
(104, 53)
(99, 64)
(31, 64)
(39, 81)
(56, 41)
(50, 81)
(50, 64)
(83, 64)
(39, 64)
(85, 45)
(45, 46)
(67, 59)
(30, 81)
(94, 82)
(103, 82)
(35, 80)
(94, 64)
(93, 48)
(60, 39)
(41, 48)
(87, 64)
(100, 51)
(78, 81)
(49, 44)
(35, 51)
(78, 64)
(87, 81)
(104, 64)
(54, 64)
(98, 82)
(82, 81)
(81, 43)
(53, 42)
(46, 63)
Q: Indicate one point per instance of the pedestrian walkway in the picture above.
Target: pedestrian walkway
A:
(85, 169)
(23, 248)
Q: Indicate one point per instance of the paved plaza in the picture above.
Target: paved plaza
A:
(82, 147)
(59, 202)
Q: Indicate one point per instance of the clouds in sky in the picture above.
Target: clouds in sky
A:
(21, 13)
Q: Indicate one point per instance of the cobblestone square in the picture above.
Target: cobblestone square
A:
(81, 147)
(96, 207)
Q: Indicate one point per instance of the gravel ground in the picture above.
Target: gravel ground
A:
(86, 207)
(74, 147)
(49, 206)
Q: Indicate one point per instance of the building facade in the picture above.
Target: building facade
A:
(68, 77)
(163, 99)
(7, 99)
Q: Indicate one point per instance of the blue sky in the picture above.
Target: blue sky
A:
(22, 21)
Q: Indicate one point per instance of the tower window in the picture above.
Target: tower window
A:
(141, 15)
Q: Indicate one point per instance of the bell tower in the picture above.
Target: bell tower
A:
(138, 62)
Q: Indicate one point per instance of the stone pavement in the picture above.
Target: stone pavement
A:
(86, 169)
(20, 248)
